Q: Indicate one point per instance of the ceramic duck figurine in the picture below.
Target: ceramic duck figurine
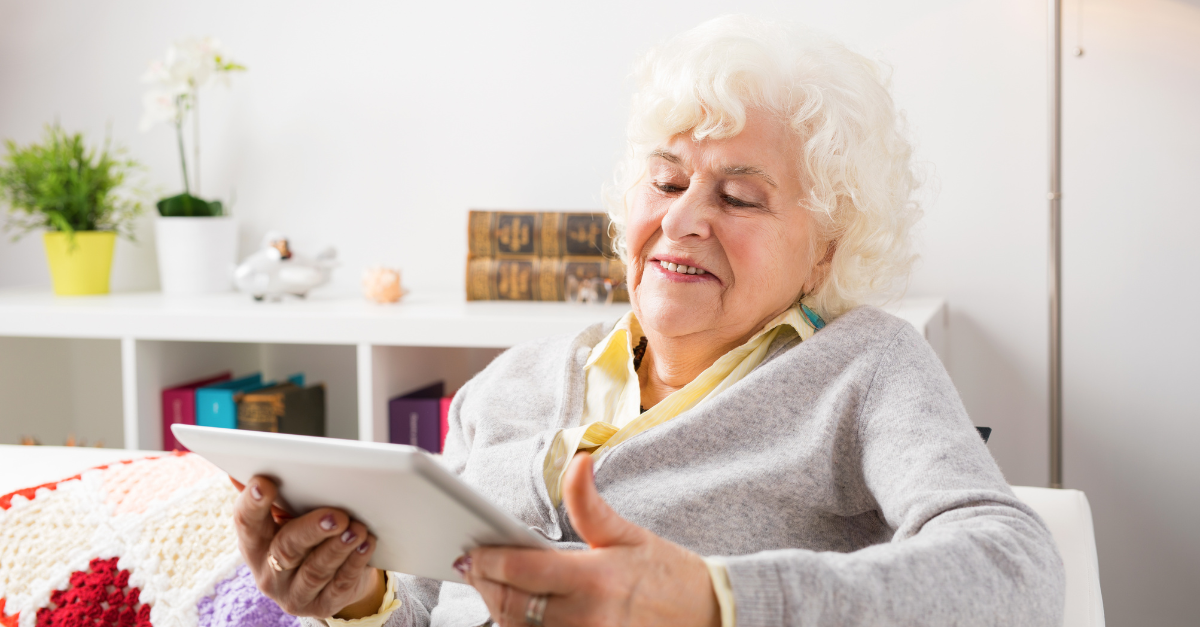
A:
(275, 270)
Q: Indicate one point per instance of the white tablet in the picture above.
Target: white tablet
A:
(422, 515)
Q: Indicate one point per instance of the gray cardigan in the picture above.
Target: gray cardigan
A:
(842, 478)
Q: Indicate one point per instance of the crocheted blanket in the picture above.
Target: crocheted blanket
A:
(131, 544)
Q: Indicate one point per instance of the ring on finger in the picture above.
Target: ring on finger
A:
(535, 609)
(275, 565)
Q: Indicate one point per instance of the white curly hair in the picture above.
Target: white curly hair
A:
(855, 153)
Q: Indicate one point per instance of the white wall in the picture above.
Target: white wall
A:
(33, 374)
(375, 126)
(1132, 290)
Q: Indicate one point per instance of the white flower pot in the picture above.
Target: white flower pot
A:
(196, 255)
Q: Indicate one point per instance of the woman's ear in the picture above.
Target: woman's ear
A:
(820, 270)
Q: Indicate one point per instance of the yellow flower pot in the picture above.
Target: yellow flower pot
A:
(81, 266)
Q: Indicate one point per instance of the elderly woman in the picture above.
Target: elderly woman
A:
(750, 445)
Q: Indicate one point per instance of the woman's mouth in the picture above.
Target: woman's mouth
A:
(676, 272)
(679, 268)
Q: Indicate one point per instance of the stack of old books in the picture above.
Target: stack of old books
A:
(542, 256)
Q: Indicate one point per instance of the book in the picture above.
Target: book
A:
(216, 405)
(542, 278)
(444, 415)
(415, 418)
(179, 407)
(542, 255)
(538, 234)
(283, 408)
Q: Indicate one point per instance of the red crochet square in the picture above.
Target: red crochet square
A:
(100, 597)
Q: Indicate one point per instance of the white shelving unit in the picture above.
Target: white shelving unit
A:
(365, 353)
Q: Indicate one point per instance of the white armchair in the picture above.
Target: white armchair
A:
(1069, 517)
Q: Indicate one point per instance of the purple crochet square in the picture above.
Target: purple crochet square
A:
(238, 603)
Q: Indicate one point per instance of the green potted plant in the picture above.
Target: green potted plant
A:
(196, 238)
(79, 196)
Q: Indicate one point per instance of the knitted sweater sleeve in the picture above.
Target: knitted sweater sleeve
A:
(964, 549)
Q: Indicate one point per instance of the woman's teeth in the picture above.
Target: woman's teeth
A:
(680, 268)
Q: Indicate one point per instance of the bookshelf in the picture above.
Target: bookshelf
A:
(99, 363)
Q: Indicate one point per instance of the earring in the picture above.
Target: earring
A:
(814, 319)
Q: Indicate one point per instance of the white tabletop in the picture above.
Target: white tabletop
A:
(421, 319)
(27, 466)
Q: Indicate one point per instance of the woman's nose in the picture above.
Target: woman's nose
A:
(688, 216)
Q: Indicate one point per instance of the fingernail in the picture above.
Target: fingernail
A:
(328, 523)
(362, 548)
(463, 565)
(349, 536)
(255, 492)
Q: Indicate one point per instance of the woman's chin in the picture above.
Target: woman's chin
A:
(672, 314)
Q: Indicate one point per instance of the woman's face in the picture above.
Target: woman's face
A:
(731, 210)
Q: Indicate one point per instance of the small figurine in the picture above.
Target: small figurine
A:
(71, 441)
(382, 285)
(275, 270)
(590, 291)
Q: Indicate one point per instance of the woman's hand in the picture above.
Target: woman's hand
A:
(314, 565)
(630, 577)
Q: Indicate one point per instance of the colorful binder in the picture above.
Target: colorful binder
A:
(215, 406)
(445, 421)
(415, 418)
(179, 407)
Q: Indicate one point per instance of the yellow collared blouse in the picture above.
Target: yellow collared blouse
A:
(612, 399)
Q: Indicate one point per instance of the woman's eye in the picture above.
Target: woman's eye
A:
(737, 202)
(668, 188)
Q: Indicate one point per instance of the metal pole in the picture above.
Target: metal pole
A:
(1055, 278)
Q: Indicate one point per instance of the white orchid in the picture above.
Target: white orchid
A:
(190, 64)
(160, 107)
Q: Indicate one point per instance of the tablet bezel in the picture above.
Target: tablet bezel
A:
(277, 451)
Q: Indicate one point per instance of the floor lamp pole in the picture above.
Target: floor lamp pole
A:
(1055, 279)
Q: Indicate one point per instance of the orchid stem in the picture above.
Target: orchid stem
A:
(196, 138)
(182, 153)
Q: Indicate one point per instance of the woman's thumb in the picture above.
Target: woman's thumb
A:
(592, 518)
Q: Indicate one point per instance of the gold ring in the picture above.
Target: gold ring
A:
(535, 609)
(275, 565)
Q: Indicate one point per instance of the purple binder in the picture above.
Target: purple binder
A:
(415, 418)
